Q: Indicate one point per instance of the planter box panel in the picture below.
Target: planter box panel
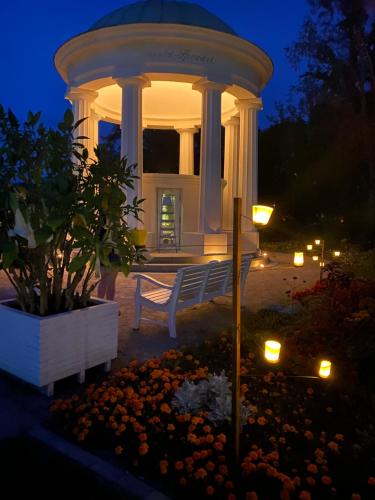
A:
(19, 343)
(102, 335)
(44, 350)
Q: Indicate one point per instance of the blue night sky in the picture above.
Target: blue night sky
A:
(31, 31)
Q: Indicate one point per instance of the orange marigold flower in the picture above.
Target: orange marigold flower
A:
(261, 420)
(171, 427)
(210, 466)
(182, 481)
(218, 446)
(304, 495)
(119, 450)
(197, 420)
(326, 480)
(222, 438)
(200, 473)
(197, 455)
(179, 465)
(251, 495)
(356, 496)
(142, 436)
(333, 446)
(310, 391)
(339, 437)
(371, 481)
(310, 481)
(219, 479)
(207, 429)
(163, 466)
(143, 449)
(223, 469)
(231, 496)
(189, 460)
(309, 435)
(210, 491)
(312, 468)
(229, 485)
(221, 458)
(165, 408)
(189, 357)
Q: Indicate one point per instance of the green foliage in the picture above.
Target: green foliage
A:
(61, 213)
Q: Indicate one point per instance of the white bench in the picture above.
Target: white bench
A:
(193, 285)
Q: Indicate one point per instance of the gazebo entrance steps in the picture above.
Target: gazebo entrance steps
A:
(169, 262)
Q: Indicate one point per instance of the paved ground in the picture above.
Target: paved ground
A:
(263, 287)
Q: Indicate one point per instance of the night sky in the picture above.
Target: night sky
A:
(31, 31)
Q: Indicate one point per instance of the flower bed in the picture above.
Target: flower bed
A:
(299, 439)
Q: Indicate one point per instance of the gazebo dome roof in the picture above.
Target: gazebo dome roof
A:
(165, 12)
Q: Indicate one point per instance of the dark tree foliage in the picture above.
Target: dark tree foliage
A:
(317, 161)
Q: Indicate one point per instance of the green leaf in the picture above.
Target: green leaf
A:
(42, 235)
(68, 118)
(55, 222)
(78, 263)
(9, 253)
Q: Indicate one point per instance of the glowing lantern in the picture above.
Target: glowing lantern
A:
(337, 253)
(317, 242)
(325, 369)
(272, 351)
(315, 258)
(298, 259)
(322, 264)
(309, 247)
(261, 214)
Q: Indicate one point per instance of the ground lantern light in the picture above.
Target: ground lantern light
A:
(261, 215)
(298, 259)
(336, 253)
(309, 247)
(272, 351)
(325, 369)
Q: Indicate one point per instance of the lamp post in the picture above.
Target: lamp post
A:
(260, 217)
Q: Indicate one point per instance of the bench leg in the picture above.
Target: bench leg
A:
(172, 325)
(137, 314)
(107, 366)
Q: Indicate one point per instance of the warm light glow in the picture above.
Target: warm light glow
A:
(262, 265)
(298, 259)
(165, 103)
(261, 214)
(322, 264)
(317, 242)
(337, 253)
(265, 254)
(325, 369)
(315, 258)
(309, 247)
(272, 351)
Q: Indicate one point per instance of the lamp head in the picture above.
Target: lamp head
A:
(261, 214)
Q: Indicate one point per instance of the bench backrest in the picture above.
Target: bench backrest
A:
(196, 284)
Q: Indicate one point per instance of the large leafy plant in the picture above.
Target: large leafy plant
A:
(61, 213)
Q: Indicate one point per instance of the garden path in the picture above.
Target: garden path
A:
(263, 287)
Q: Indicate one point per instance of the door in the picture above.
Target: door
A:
(169, 219)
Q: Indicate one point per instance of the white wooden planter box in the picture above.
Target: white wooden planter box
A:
(42, 350)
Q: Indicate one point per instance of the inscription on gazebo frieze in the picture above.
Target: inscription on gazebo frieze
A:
(183, 56)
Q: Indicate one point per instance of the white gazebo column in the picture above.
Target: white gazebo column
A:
(231, 152)
(95, 119)
(82, 101)
(248, 160)
(187, 150)
(210, 168)
(132, 133)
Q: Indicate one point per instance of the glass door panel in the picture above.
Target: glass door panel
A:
(168, 224)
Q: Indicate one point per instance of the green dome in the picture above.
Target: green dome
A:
(164, 12)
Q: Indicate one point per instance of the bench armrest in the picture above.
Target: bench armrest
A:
(145, 277)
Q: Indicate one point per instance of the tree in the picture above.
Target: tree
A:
(332, 172)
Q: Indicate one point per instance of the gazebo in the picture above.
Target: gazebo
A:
(168, 64)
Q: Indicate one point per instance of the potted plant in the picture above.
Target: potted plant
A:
(61, 215)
